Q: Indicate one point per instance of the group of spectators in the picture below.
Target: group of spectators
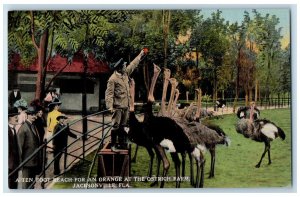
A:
(26, 125)
(26, 133)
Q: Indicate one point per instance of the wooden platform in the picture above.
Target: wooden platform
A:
(113, 164)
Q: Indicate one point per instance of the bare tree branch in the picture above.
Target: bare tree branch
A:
(54, 77)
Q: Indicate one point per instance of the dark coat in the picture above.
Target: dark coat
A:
(29, 142)
(12, 98)
(40, 124)
(61, 140)
(13, 150)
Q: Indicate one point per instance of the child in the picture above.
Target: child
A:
(60, 140)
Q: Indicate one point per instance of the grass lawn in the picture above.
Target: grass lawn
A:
(235, 165)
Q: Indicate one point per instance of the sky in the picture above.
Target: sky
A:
(237, 14)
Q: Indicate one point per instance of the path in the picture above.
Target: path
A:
(75, 148)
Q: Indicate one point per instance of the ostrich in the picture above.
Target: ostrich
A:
(215, 136)
(221, 103)
(168, 134)
(210, 134)
(259, 130)
(197, 133)
(138, 135)
(136, 132)
(170, 109)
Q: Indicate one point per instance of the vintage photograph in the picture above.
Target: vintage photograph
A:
(149, 98)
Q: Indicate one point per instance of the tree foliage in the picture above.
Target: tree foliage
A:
(206, 52)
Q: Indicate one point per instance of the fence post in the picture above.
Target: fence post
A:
(102, 129)
(66, 150)
(44, 162)
(83, 144)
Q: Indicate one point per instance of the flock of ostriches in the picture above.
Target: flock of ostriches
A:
(180, 131)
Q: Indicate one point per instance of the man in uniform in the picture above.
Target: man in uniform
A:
(117, 99)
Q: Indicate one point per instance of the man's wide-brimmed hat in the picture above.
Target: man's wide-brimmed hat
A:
(31, 110)
(12, 111)
(118, 64)
(61, 116)
(55, 101)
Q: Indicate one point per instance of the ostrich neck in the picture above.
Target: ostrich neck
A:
(148, 108)
(153, 82)
(167, 74)
(174, 83)
(198, 112)
(132, 94)
(251, 113)
(176, 98)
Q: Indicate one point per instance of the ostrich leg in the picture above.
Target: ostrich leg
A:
(191, 170)
(183, 156)
(177, 168)
(151, 154)
(198, 175)
(212, 162)
(166, 163)
(158, 158)
(267, 148)
(269, 154)
(202, 174)
(133, 160)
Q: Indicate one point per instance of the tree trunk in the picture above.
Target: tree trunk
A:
(246, 97)
(41, 64)
(268, 79)
(166, 26)
(250, 94)
(256, 90)
(215, 93)
(237, 81)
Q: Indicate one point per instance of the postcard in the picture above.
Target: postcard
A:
(149, 98)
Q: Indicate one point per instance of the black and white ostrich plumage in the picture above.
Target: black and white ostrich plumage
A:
(260, 130)
(211, 135)
(244, 112)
